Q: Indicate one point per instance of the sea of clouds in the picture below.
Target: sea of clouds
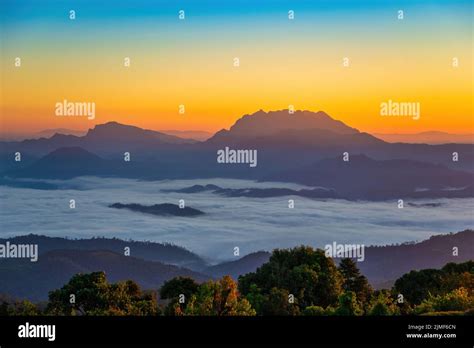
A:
(251, 224)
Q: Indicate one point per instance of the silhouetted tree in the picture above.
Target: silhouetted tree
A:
(348, 305)
(354, 280)
(173, 289)
(418, 285)
(307, 274)
(279, 302)
(219, 298)
(91, 294)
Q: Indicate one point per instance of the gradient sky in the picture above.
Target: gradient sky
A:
(190, 62)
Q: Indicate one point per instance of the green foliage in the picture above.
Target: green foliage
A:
(443, 314)
(418, 285)
(19, 308)
(382, 304)
(314, 311)
(353, 280)
(457, 300)
(256, 298)
(177, 286)
(219, 298)
(91, 294)
(306, 273)
(298, 281)
(173, 289)
(277, 302)
(348, 305)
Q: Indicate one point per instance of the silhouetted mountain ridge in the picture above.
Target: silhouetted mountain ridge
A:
(163, 209)
(61, 258)
(54, 269)
(362, 177)
(152, 251)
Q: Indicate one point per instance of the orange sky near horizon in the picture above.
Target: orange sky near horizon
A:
(219, 94)
(193, 66)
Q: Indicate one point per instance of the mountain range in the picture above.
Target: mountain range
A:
(303, 147)
(150, 264)
(431, 137)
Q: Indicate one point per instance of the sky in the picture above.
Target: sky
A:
(190, 62)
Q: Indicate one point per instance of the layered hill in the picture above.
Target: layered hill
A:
(285, 143)
(53, 269)
(59, 259)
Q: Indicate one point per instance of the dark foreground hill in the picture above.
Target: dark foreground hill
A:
(152, 251)
(61, 258)
(382, 264)
(33, 280)
(365, 178)
(248, 263)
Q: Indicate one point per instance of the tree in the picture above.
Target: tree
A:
(379, 309)
(256, 298)
(219, 298)
(173, 290)
(305, 273)
(382, 304)
(353, 280)
(348, 305)
(277, 302)
(91, 294)
(457, 300)
(314, 311)
(418, 285)
(178, 286)
(19, 308)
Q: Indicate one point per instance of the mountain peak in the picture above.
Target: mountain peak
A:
(113, 126)
(67, 153)
(120, 131)
(267, 123)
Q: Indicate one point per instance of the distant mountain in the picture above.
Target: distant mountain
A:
(32, 184)
(48, 133)
(384, 264)
(284, 142)
(291, 140)
(114, 131)
(432, 137)
(65, 163)
(262, 124)
(164, 209)
(194, 189)
(33, 280)
(189, 134)
(248, 263)
(258, 192)
(105, 139)
(151, 251)
(365, 178)
(70, 162)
